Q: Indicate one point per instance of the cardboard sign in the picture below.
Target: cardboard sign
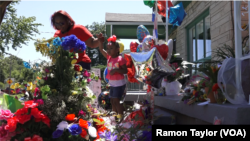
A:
(95, 86)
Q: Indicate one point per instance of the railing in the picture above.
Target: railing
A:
(134, 86)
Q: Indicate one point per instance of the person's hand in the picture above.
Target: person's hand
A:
(100, 38)
(113, 71)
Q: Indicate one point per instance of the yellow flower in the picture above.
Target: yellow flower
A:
(12, 87)
(74, 92)
(33, 87)
(29, 87)
(80, 68)
(73, 61)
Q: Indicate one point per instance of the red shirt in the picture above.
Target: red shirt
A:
(81, 33)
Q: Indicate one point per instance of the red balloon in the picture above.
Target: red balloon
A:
(163, 50)
(133, 46)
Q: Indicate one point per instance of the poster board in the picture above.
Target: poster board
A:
(95, 86)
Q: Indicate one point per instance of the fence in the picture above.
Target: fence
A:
(134, 86)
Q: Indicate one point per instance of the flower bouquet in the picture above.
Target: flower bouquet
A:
(211, 71)
(60, 91)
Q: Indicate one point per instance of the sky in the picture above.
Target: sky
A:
(83, 12)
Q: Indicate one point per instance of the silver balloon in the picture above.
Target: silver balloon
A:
(170, 49)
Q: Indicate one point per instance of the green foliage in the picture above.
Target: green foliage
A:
(96, 28)
(12, 67)
(178, 73)
(102, 68)
(16, 31)
(223, 52)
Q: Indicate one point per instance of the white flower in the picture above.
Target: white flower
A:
(62, 125)
(92, 132)
(89, 91)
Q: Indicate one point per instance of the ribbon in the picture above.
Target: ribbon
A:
(153, 17)
(112, 38)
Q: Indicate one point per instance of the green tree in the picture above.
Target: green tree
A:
(16, 31)
(96, 28)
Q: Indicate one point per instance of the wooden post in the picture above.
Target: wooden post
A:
(3, 5)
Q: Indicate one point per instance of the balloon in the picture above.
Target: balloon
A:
(163, 50)
(149, 3)
(139, 48)
(170, 49)
(105, 74)
(121, 45)
(133, 46)
(147, 43)
(104, 100)
(142, 32)
(177, 14)
(162, 7)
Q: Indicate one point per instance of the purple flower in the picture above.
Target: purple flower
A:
(109, 136)
(72, 42)
(75, 129)
(89, 123)
(146, 135)
(57, 134)
(196, 94)
(185, 101)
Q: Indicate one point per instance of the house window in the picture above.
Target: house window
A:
(199, 40)
(174, 46)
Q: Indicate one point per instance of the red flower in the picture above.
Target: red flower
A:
(70, 117)
(148, 69)
(102, 129)
(23, 118)
(77, 68)
(11, 124)
(97, 137)
(84, 133)
(215, 87)
(21, 111)
(40, 118)
(30, 104)
(34, 138)
(36, 113)
(83, 124)
(149, 89)
(46, 120)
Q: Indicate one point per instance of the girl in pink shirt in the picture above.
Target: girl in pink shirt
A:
(116, 65)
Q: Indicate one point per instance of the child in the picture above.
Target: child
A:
(116, 65)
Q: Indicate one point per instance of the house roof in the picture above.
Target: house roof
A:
(120, 17)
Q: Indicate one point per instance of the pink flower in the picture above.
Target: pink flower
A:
(37, 91)
(5, 114)
(39, 101)
(81, 113)
(88, 80)
(177, 69)
(47, 70)
(3, 132)
(86, 74)
(45, 78)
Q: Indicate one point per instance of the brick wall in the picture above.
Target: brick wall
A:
(221, 24)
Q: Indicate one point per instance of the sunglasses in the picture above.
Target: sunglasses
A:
(59, 24)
